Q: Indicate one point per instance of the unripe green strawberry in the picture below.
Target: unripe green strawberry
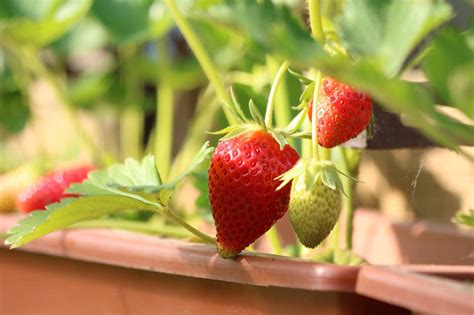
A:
(313, 211)
(315, 200)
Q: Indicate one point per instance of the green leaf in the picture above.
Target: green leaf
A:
(131, 174)
(272, 28)
(449, 65)
(67, 212)
(387, 31)
(147, 188)
(126, 21)
(464, 218)
(44, 23)
(86, 35)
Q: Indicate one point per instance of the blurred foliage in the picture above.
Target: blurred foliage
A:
(103, 53)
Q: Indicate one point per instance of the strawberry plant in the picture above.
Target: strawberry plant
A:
(331, 61)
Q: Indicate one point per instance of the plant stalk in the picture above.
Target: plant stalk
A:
(314, 119)
(203, 58)
(315, 20)
(164, 114)
(348, 202)
(143, 227)
(273, 90)
(131, 131)
(202, 236)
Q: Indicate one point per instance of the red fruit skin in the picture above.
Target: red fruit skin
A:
(242, 188)
(342, 112)
(51, 188)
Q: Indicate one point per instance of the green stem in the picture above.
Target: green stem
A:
(164, 114)
(348, 202)
(325, 153)
(271, 96)
(143, 227)
(283, 108)
(131, 122)
(314, 119)
(274, 241)
(315, 20)
(203, 58)
(204, 237)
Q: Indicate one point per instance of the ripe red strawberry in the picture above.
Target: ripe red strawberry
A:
(242, 188)
(51, 188)
(342, 112)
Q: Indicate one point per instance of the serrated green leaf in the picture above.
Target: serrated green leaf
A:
(256, 115)
(67, 212)
(151, 190)
(129, 174)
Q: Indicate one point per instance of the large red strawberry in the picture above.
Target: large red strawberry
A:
(242, 188)
(342, 112)
(51, 188)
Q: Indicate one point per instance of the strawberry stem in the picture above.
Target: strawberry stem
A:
(143, 227)
(202, 236)
(314, 118)
(348, 185)
(204, 60)
(164, 113)
(271, 96)
(315, 20)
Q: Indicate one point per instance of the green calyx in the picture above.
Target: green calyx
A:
(313, 171)
(258, 122)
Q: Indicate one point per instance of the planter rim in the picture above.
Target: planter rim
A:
(171, 256)
(137, 251)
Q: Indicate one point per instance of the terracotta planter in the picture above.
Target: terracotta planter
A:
(98, 271)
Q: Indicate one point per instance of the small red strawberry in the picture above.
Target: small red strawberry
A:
(51, 188)
(342, 112)
(242, 188)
